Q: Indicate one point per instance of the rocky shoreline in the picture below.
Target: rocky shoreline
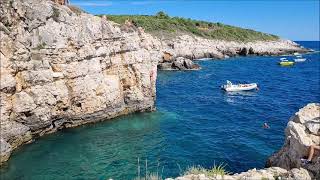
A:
(192, 48)
(61, 68)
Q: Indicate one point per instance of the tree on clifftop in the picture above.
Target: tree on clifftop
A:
(162, 15)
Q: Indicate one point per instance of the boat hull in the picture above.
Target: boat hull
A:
(286, 63)
(300, 60)
(246, 87)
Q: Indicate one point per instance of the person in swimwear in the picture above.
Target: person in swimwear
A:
(266, 126)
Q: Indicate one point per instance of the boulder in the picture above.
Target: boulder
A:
(182, 63)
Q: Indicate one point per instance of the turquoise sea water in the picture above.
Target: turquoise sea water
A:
(195, 124)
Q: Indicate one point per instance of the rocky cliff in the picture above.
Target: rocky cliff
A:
(303, 130)
(62, 68)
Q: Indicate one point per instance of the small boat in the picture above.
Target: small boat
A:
(285, 62)
(299, 58)
(229, 87)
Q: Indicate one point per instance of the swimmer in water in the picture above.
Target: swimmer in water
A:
(266, 126)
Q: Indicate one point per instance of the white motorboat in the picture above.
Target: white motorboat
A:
(229, 87)
(299, 58)
(285, 62)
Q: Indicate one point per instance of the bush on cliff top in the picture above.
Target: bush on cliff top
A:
(162, 25)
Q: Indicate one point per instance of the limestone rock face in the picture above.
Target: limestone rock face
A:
(302, 131)
(62, 69)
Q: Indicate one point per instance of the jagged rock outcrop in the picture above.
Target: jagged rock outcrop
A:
(303, 130)
(180, 63)
(62, 69)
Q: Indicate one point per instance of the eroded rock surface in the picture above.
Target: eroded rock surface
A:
(62, 69)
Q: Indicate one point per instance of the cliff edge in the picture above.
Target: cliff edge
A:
(61, 68)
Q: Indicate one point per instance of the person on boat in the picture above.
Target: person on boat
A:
(265, 126)
(312, 149)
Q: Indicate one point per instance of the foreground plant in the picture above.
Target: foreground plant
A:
(216, 170)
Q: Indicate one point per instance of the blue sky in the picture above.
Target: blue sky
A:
(290, 19)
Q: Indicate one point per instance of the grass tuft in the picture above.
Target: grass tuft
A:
(216, 170)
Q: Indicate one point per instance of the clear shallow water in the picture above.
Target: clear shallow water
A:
(195, 124)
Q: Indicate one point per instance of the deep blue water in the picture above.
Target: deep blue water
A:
(195, 124)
